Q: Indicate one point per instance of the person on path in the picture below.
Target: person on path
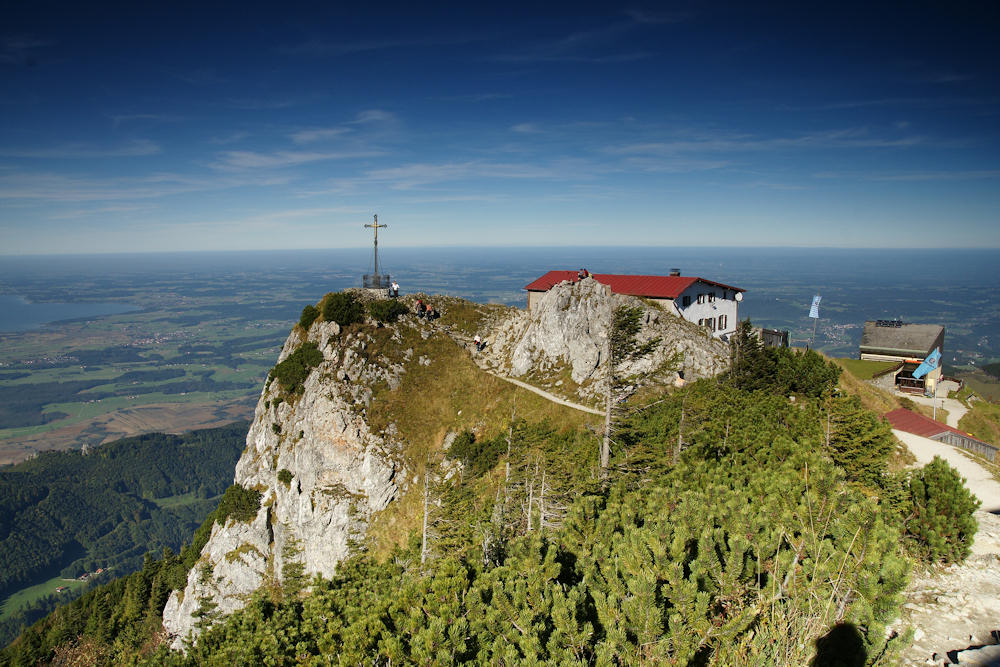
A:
(421, 308)
(478, 342)
(394, 289)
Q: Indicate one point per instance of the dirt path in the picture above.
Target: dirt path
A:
(957, 608)
(545, 394)
(956, 409)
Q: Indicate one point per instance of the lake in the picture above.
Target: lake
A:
(18, 314)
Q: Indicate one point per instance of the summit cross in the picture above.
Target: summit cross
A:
(375, 226)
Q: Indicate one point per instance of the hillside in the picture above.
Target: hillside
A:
(67, 514)
(398, 503)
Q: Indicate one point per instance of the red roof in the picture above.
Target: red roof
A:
(917, 424)
(657, 287)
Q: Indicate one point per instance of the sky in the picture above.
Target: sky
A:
(154, 126)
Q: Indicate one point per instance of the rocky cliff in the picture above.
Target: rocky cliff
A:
(560, 343)
(321, 472)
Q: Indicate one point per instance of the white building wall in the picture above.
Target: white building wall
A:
(715, 302)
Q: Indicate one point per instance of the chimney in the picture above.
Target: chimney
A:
(675, 272)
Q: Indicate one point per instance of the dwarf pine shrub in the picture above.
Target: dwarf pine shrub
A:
(387, 310)
(941, 525)
(342, 308)
(309, 315)
(294, 370)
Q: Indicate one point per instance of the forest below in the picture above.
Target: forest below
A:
(756, 518)
(68, 513)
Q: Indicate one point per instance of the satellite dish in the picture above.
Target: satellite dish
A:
(739, 296)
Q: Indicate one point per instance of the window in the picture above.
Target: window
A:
(711, 297)
(722, 322)
(686, 301)
(708, 323)
(701, 298)
(701, 322)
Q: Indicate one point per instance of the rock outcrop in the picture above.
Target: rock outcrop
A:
(568, 328)
(321, 472)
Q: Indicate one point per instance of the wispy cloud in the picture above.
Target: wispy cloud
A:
(97, 210)
(673, 164)
(904, 102)
(947, 77)
(914, 175)
(422, 175)
(135, 148)
(239, 160)
(846, 138)
(317, 134)
(231, 138)
(201, 77)
(20, 49)
(270, 102)
(375, 116)
(54, 187)
(588, 46)
(369, 118)
(118, 119)
(473, 97)
(526, 128)
(317, 47)
(657, 18)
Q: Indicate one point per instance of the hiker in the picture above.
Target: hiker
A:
(476, 340)
(394, 289)
(421, 308)
(581, 274)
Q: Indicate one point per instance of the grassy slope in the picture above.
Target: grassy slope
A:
(452, 394)
(864, 369)
(983, 418)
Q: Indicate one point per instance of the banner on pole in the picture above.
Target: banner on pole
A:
(814, 309)
(930, 363)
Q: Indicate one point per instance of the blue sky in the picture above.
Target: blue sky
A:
(134, 127)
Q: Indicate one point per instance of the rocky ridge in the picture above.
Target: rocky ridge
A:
(567, 330)
(336, 474)
(323, 473)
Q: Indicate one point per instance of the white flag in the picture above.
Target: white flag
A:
(814, 309)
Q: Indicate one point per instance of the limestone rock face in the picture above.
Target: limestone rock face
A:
(568, 327)
(335, 474)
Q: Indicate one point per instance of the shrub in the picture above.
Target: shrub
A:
(309, 315)
(239, 503)
(387, 310)
(276, 428)
(778, 370)
(285, 476)
(342, 308)
(294, 370)
(861, 442)
(941, 524)
(477, 456)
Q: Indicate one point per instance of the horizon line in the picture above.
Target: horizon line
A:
(498, 247)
